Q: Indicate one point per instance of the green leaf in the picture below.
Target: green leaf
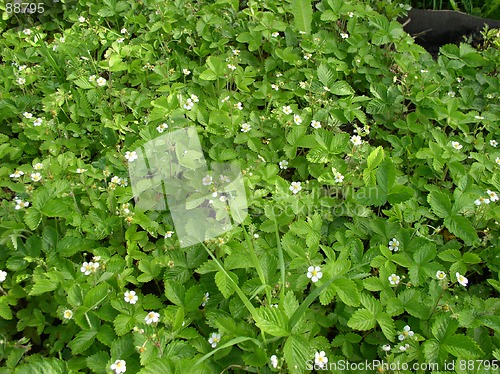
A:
(123, 324)
(82, 341)
(5, 311)
(462, 228)
(272, 321)
(450, 255)
(98, 362)
(297, 351)
(96, 295)
(440, 204)
(375, 158)
(55, 208)
(387, 325)
(84, 83)
(462, 346)
(341, 88)
(174, 292)
(224, 284)
(325, 75)
(43, 285)
(347, 291)
(302, 14)
(32, 218)
(362, 319)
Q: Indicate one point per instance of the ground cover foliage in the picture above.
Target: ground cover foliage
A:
(371, 172)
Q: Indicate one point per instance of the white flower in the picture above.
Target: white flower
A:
(3, 276)
(81, 19)
(94, 267)
(275, 34)
(424, 71)
(37, 122)
(186, 71)
(68, 314)
(256, 236)
(131, 156)
(97, 258)
(394, 279)
(315, 124)
(21, 67)
(27, 115)
(231, 67)
(407, 333)
(404, 347)
(295, 187)
(245, 127)
(461, 279)
(386, 347)
(351, 14)
(17, 174)
(451, 94)
(320, 359)
(307, 56)
(287, 109)
(194, 98)
(493, 195)
(356, 140)
(214, 339)
(493, 143)
(92, 78)
(275, 87)
(274, 361)
(224, 179)
(27, 32)
(120, 366)
(225, 99)
(238, 105)
(63, 39)
(124, 31)
(116, 180)
(497, 160)
(101, 81)
(87, 268)
(120, 40)
(326, 88)
(21, 80)
(339, 178)
(283, 164)
(205, 299)
(303, 85)
(236, 52)
(456, 145)
(344, 35)
(207, 180)
(314, 273)
(21, 204)
(162, 127)
(479, 117)
(223, 198)
(152, 317)
(302, 32)
(130, 297)
(188, 105)
(81, 171)
(297, 119)
(440, 275)
(394, 245)
(169, 234)
(36, 177)
(38, 166)
(482, 200)
(278, 74)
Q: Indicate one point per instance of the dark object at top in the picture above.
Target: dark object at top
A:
(435, 28)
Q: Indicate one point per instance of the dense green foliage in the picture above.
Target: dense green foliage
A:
(372, 174)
